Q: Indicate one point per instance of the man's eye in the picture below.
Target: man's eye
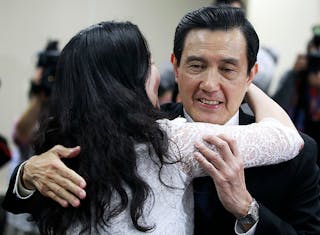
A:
(196, 67)
(227, 70)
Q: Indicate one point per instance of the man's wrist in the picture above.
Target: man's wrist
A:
(23, 182)
(19, 190)
(244, 223)
(243, 205)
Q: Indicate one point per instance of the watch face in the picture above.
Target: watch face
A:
(248, 219)
(246, 222)
(253, 214)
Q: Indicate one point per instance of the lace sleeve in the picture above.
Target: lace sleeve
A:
(264, 143)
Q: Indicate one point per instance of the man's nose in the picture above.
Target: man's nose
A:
(210, 81)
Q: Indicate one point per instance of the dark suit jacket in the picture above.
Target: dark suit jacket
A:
(288, 194)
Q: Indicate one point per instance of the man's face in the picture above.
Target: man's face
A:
(314, 79)
(212, 75)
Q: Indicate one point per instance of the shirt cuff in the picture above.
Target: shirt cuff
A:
(251, 231)
(19, 190)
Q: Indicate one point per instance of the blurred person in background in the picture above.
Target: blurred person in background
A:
(306, 114)
(286, 93)
(27, 124)
(166, 92)
(5, 156)
(299, 90)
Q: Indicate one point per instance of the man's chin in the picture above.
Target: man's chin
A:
(209, 119)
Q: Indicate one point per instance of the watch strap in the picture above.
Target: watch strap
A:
(252, 217)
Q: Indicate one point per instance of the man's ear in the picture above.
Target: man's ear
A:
(175, 66)
(253, 72)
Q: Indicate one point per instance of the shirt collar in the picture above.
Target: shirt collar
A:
(234, 120)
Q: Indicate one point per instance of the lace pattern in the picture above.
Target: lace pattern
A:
(170, 209)
(265, 143)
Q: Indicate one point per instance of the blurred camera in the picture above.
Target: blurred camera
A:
(313, 56)
(314, 44)
(47, 60)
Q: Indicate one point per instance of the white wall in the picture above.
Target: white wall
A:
(26, 25)
(284, 25)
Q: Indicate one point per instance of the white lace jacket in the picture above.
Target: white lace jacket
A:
(170, 210)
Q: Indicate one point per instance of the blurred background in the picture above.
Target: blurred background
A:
(26, 26)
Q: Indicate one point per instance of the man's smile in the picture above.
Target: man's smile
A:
(210, 102)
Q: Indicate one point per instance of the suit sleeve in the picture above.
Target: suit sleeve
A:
(302, 211)
(16, 205)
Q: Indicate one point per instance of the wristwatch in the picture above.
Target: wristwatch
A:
(252, 217)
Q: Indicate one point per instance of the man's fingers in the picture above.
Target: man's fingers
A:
(66, 152)
(46, 191)
(206, 165)
(74, 151)
(59, 200)
(230, 162)
(53, 178)
(70, 186)
(232, 144)
(222, 146)
(211, 156)
(60, 194)
(63, 152)
(57, 188)
(71, 175)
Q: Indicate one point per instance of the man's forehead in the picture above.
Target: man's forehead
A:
(228, 44)
(210, 35)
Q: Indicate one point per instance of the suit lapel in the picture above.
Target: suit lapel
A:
(245, 119)
(174, 110)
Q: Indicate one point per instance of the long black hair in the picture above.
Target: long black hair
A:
(99, 102)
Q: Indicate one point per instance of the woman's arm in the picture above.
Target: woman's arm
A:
(264, 143)
(263, 106)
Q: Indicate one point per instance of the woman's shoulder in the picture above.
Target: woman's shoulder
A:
(176, 121)
(171, 125)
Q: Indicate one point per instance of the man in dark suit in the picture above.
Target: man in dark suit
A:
(214, 62)
(287, 194)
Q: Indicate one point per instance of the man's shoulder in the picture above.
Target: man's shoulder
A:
(245, 115)
(309, 151)
(309, 141)
(304, 165)
(173, 109)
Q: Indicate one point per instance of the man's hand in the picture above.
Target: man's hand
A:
(226, 170)
(52, 178)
